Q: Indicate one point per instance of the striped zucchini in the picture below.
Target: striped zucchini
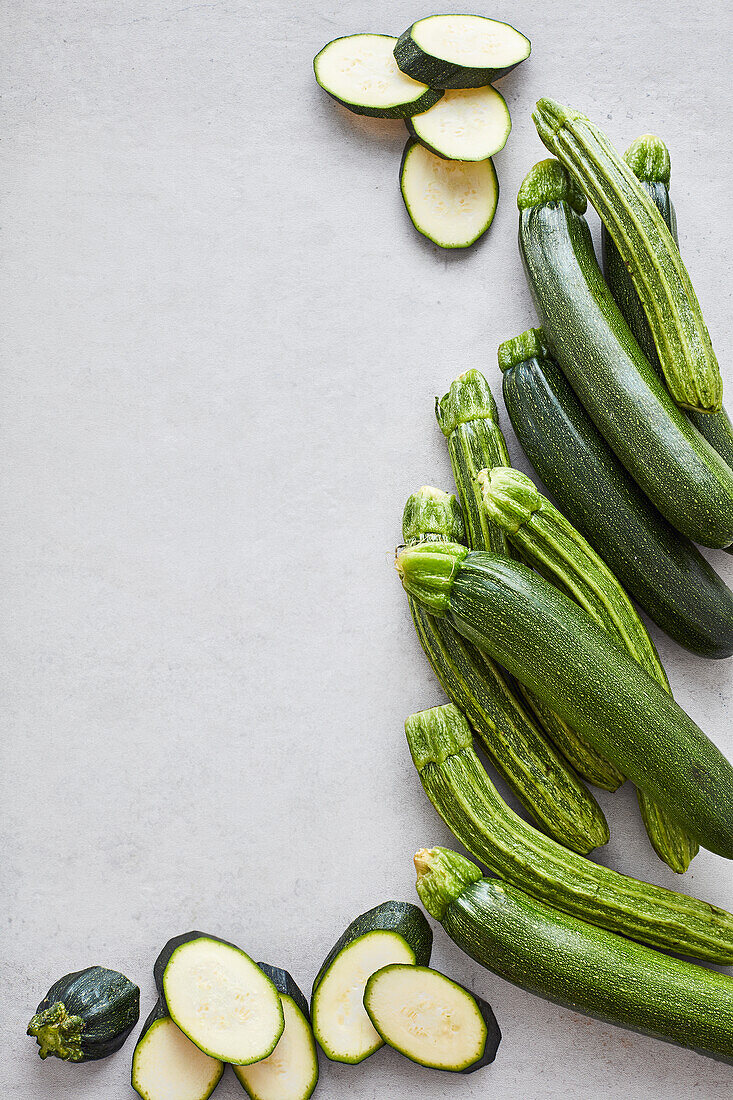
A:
(460, 790)
(539, 777)
(549, 643)
(648, 158)
(550, 544)
(677, 469)
(646, 247)
(570, 962)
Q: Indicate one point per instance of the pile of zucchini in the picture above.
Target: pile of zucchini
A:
(524, 611)
(438, 77)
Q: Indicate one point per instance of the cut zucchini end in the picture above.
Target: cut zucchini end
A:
(467, 124)
(166, 1065)
(360, 72)
(431, 1019)
(460, 51)
(222, 1001)
(450, 202)
(291, 1071)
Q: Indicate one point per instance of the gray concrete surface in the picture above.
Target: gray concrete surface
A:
(221, 342)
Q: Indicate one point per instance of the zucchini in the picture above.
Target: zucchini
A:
(663, 571)
(648, 158)
(552, 546)
(168, 1066)
(571, 963)
(466, 124)
(431, 1019)
(460, 790)
(541, 780)
(646, 247)
(677, 469)
(395, 931)
(86, 1015)
(360, 72)
(460, 51)
(549, 643)
(469, 420)
(451, 202)
(291, 1071)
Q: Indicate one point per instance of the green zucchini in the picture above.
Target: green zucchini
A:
(468, 417)
(360, 72)
(664, 572)
(86, 1015)
(677, 469)
(646, 247)
(466, 124)
(541, 780)
(649, 160)
(549, 643)
(166, 1065)
(451, 202)
(552, 546)
(460, 790)
(572, 963)
(460, 51)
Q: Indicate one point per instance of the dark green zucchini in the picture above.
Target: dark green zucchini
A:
(664, 572)
(648, 158)
(166, 1065)
(86, 1015)
(541, 780)
(549, 643)
(677, 469)
(460, 51)
(569, 962)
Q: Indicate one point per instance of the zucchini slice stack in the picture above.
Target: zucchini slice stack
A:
(437, 77)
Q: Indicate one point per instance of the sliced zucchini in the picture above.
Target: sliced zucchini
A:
(466, 124)
(167, 1066)
(451, 202)
(393, 932)
(460, 51)
(360, 72)
(222, 1001)
(291, 1071)
(430, 1019)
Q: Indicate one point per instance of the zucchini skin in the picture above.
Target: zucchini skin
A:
(437, 73)
(665, 573)
(676, 468)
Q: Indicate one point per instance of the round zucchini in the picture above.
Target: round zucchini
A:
(86, 1015)
(360, 72)
(460, 51)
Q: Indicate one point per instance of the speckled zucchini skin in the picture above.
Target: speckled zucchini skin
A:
(86, 1015)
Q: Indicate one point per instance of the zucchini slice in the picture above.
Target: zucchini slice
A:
(360, 72)
(291, 1071)
(222, 1001)
(466, 124)
(451, 202)
(460, 51)
(431, 1019)
(168, 1066)
(395, 932)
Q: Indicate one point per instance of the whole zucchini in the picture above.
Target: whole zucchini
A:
(677, 469)
(570, 962)
(549, 643)
(86, 1015)
(539, 777)
(664, 572)
(648, 158)
(646, 247)
(460, 790)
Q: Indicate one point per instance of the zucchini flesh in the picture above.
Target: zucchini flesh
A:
(549, 643)
(460, 51)
(291, 1071)
(647, 249)
(451, 202)
(462, 793)
(550, 544)
(676, 468)
(664, 572)
(430, 1019)
(466, 124)
(360, 72)
(541, 780)
(222, 1001)
(569, 962)
(166, 1065)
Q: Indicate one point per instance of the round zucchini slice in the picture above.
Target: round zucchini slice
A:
(291, 1071)
(466, 124)
(167, 1066)
(451, 202)
(430, 1019)
(360, 72)
(460, 51)
(222, 1001)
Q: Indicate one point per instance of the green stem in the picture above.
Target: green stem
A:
(57, 1033)
(442, 876)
